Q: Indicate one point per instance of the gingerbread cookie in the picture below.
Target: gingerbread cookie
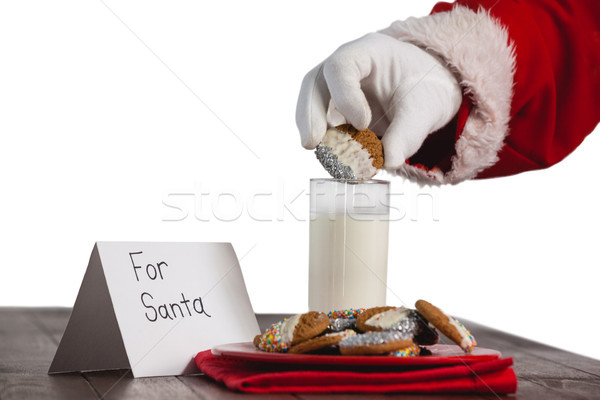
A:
(361, 320)
(347, 153)
(309, 325)
(375, 342)
(447, 324)
(388, 318)
(298, 328)
(321, 342)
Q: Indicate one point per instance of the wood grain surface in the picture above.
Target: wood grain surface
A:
(29, 337)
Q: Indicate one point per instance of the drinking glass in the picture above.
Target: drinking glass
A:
(348, 250)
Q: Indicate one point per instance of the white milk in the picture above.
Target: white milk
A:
(348, 261)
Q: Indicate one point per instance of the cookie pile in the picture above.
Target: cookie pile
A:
(395, 331)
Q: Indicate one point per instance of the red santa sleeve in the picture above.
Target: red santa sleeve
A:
(530, 73)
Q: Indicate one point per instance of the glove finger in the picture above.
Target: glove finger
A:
(406, 133)
(334, 117)
(379, 120)
(311, 110)
(343, 80)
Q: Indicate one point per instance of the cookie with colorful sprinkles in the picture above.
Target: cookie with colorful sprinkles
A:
(340, 320)
(298, 328)
(411, 351)
(349, 313)
(447, 324)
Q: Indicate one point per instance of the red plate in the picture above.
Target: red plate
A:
(442, 354)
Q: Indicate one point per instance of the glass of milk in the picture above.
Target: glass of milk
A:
(349, 225)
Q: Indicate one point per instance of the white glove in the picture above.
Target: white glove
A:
(391, 87)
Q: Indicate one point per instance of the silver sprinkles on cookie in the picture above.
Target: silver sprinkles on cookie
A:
(408, 325)
(340, 324)
(373, 338)
(330, 162)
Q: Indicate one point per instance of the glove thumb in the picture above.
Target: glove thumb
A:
(423, 109)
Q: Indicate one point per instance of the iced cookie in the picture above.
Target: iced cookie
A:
(298, 328)
(447, 324)
(411, 351)
(347, 153)
(386, 318)
(366, 315)
(321, 342)
(373, 342)
(340, 320)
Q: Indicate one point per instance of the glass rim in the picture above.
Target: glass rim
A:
(352, 181)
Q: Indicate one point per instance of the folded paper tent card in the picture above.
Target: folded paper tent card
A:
(152, 306)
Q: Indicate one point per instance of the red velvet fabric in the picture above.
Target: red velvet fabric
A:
(493, 376)
(556, 101)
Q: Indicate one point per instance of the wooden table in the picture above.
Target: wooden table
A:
(29, 337)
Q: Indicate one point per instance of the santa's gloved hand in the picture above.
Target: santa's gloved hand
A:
(394, 88)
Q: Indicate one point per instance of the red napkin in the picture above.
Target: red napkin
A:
(493, 376)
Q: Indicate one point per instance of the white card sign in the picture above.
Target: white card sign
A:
(152, 306)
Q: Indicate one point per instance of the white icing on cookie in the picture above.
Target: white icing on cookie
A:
(344, 333)
(386, 319)
(350, 152)
(466, 342)
(286, 332)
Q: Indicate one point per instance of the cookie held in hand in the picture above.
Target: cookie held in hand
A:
(347, 153)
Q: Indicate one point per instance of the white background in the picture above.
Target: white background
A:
(174, 121)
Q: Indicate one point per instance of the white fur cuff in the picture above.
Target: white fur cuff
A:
(476, 48)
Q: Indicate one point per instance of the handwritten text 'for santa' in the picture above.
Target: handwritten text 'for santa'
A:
(179, 309)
